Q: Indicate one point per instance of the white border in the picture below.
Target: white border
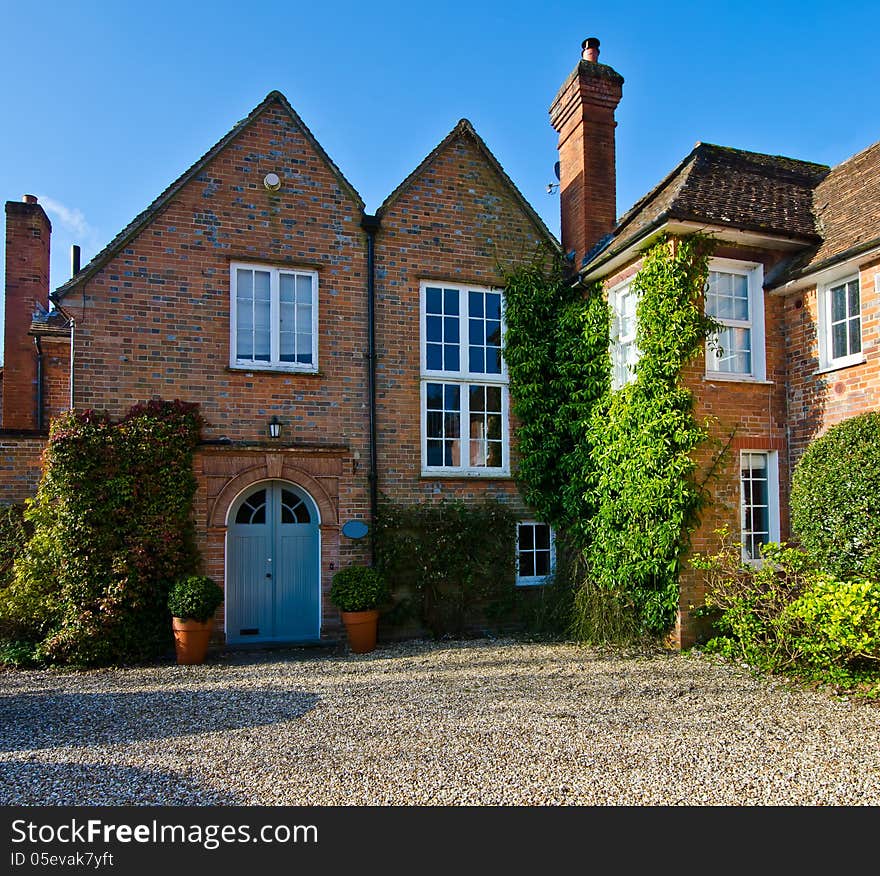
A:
(754, 272)
(823, 312)
(535, 580)
(274, 320)
(772, 500)
(465, 378)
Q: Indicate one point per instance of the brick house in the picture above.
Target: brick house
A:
(257, 285)
(795, 283)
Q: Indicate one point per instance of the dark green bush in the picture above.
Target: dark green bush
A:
(359, 588)
(195, 597)
(449, 565)
(112, 524)
(835, 498)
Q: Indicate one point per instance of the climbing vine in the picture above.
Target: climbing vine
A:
(614, 470)
(110, 528)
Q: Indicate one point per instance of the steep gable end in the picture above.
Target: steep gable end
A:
(143, 219)
(464, 132)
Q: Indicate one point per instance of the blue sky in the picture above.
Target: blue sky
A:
(104, 104)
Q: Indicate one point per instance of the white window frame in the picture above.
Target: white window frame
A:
(465, 378)
(535, 580)
(772, 501)
(615, 296)
(274, 363)
(754, 272)
(823, 307)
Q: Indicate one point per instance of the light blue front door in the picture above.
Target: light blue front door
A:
(273, 582)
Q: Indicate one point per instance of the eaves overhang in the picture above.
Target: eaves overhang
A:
(616, 257)
(826, 270)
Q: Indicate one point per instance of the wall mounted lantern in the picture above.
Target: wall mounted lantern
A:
(274, 427)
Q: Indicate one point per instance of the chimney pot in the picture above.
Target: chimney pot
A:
(590, 47)
(29, 199)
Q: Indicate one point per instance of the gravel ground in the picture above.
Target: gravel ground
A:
(476, 722)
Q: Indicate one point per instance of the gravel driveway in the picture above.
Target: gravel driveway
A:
(476, 722)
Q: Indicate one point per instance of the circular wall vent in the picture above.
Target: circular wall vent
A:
(272, 182)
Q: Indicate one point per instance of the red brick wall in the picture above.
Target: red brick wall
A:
(583, 116)
(818, 400)
(27, 282)
(456, 221)
(20, 461)
(155, 321)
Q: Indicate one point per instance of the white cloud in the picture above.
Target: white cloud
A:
(72, 219)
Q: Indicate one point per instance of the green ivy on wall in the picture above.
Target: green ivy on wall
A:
(612, 470)
(112, 527)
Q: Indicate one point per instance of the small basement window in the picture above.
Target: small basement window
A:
(535, 553)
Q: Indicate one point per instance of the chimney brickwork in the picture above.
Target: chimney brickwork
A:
(583, 115)
(27, 282)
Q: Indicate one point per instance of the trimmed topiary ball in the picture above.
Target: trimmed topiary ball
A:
(835, 498)
(358, 588)
(195, 597)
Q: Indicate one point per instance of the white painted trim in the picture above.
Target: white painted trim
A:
(613, 294)
(535, 580)
(772, 499)
(754, 272)
(464, 432)
(464, 378)
(274, 363)
(823, 310)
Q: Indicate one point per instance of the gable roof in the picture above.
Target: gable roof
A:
(464, 129)
(717, 185)
(846, 204)
(142, 219)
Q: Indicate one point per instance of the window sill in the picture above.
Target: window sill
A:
(842, 363)
(736, 378)
(532, 582)
(448, 475)
(272, 369)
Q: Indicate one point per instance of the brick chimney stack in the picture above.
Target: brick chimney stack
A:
(583, 115)
(27, 282)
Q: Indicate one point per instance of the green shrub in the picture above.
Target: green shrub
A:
(835, 627)
(835, 498)
(785, 616)
(449, 564)
(358, 588)
(195, 597)
(112, 524)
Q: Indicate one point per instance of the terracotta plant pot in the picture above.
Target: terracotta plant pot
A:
(191, 639)
(361, 629)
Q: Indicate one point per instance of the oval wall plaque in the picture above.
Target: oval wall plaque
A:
(355, 529)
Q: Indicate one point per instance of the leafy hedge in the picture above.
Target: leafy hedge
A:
(112, 526)
(446, 561)
(835, 498)
(787, 616)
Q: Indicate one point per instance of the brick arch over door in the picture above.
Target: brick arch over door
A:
(271, 469)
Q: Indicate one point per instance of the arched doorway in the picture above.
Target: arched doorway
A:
(273, 578)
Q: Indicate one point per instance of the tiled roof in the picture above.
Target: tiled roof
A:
(846, 204)
(731, 188)
(141, 220)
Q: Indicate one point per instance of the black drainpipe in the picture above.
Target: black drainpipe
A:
(370, 224)
(39, 417)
